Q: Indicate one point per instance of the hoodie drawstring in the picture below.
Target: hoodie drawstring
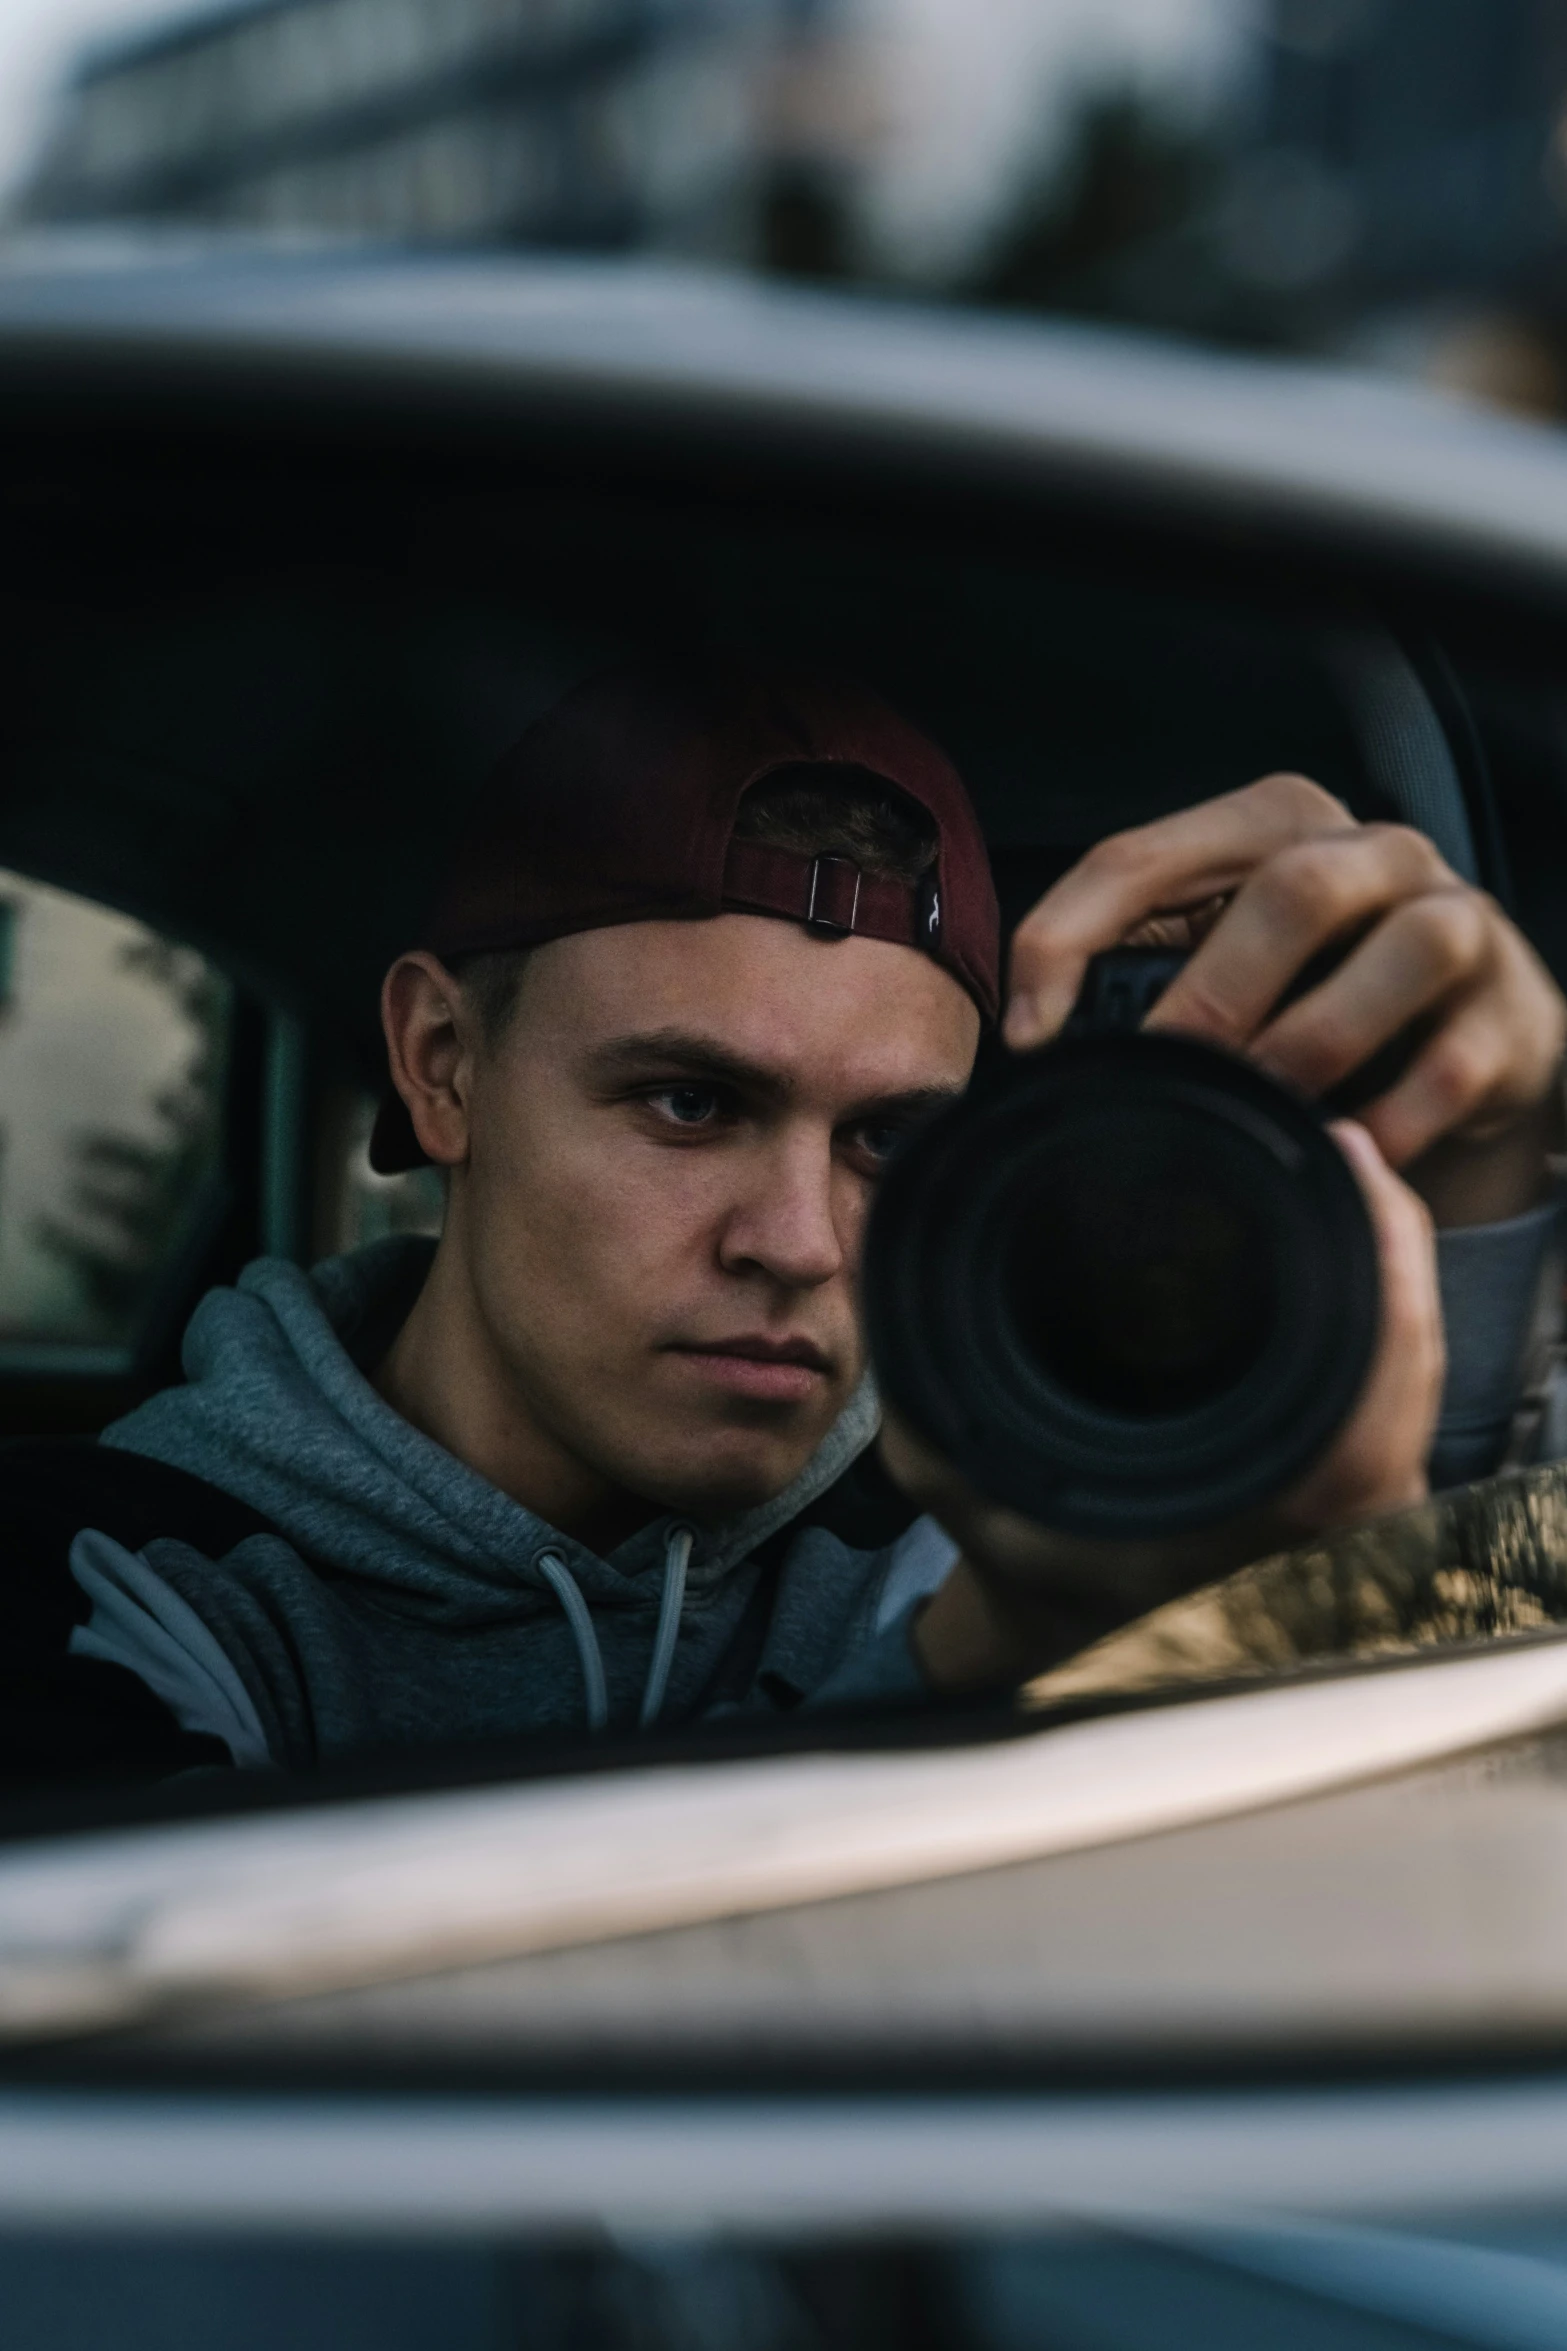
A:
(677, 1558)
(589, 1655)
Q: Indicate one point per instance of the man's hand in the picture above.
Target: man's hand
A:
(1263, 879)
(1021, 1597)
(1257, 884)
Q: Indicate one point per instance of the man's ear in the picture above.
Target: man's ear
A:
(429, 1051)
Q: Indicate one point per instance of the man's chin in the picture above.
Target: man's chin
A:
(710, 1457)
(726, 1482)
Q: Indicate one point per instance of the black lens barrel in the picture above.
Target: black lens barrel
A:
(1128, 1285)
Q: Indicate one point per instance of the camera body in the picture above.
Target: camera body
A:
(1128, 1285)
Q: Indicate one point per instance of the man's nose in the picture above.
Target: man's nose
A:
(786, 1223)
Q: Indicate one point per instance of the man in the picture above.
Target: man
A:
(603, 1454)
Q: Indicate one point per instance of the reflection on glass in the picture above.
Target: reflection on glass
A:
(113, 1047)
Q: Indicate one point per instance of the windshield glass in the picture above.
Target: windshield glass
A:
(780, 1071)
(1372, 179)
(524, 1202)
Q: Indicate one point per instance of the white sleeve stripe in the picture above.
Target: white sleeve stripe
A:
(139, 1622)
(920, 1562)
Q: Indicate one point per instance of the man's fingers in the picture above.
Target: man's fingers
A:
(1428, 952)
(1493, 1059)
(1182, 860)
(1402, 1225)
(1303, 900)
(1405, 1387)
(1462, 1078)
(1378, 1461)
(1263, 881)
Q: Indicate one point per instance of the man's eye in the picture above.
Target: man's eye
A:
(878, 1139)
(688, 1106)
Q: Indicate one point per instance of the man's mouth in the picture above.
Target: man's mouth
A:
(774, 1371)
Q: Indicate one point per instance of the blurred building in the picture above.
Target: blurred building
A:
(578, 122)
(1408, 156)
(1383, 179)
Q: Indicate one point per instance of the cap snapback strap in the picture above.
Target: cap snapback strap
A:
(831, 895)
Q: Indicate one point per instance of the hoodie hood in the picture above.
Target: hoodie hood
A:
(279, 1413)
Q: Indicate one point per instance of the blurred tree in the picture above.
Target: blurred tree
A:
(803, 223)
(1108, 228)
(131, 1195)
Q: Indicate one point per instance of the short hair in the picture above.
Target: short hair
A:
(817, 810)
(824, 811)
(492, 984)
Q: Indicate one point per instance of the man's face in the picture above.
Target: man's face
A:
(672, 1151)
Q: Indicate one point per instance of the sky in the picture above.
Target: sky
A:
(962, 85)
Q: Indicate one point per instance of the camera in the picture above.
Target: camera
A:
(1128, 1285)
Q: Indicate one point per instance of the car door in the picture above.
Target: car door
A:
(985, 2030)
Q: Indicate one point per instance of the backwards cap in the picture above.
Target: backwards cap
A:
(619, 806)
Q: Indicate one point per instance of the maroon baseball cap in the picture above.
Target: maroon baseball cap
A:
(619, 805)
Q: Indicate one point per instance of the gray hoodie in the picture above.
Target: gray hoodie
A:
(404, 1599)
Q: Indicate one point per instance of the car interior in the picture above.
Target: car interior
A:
(259, 652)
(260, 645)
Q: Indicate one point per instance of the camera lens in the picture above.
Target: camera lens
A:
(1139, 1280)
(1128, 1286)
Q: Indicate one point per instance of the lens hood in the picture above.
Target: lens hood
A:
(1128, 1285)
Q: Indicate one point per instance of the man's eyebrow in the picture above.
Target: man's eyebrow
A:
(693, 1055)
(682, 1049)
(914, 1102)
